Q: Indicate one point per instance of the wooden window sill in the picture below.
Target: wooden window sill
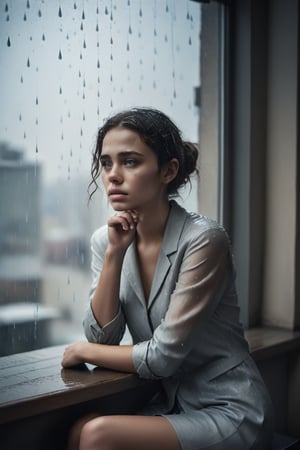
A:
(33, 383)
(266, 342)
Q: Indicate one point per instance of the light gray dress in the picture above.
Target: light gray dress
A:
(188, 335)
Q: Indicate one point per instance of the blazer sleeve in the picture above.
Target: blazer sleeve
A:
(112, 332)
(199, 287)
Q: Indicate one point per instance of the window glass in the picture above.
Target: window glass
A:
(66, 66)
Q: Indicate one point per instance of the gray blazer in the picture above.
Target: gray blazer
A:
(188, 331)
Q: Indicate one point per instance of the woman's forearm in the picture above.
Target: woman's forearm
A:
(106, 301)
(116, 357)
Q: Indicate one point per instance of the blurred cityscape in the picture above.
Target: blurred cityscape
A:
(44, 255)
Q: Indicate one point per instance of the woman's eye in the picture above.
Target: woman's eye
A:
(106, 164)
(130, 162)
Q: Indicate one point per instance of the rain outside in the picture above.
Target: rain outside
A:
(66, 66)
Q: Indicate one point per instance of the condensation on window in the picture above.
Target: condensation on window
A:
(65, 67)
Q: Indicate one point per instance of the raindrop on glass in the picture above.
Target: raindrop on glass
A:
(28, 4)
(20, 117)
(36, 149)
(7, 18)
(83, 15)
(127, 47)
(59, 12)
(190, 40)
(6, 7)
(59, 54)
(75, 6)
(40, 13)
(106, 10)
(84, 44)
(36, 101)
(8, 42)
(97, 27)
(130, 29)
(43, 37)
(60, 90)
(98, 64)
(25, 17)
(28, 62)
(81, 26)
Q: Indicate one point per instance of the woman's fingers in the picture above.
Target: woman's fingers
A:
(123, 218)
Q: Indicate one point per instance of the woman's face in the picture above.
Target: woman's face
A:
(130, 172)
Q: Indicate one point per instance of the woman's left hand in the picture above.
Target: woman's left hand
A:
(73, 355)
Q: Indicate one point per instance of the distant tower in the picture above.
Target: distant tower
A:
(20, 236)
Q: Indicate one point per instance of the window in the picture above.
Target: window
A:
(69, 65)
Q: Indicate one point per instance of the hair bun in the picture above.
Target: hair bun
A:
(191, 153)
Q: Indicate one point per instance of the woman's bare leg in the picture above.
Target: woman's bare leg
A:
(74, 436)
(127, 433)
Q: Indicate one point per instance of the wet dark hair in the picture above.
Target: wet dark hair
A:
(159, 133)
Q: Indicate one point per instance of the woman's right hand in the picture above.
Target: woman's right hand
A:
(122, 229)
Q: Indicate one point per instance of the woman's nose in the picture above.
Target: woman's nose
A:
(115, 175)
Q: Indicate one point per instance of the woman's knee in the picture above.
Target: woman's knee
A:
(96, 433)
(75, 431)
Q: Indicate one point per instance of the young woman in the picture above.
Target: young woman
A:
(168, 275)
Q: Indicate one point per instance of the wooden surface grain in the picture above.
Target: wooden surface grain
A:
(34, 382)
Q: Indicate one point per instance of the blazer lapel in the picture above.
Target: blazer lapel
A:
(176, 220)
(169, 247)
(132, 272)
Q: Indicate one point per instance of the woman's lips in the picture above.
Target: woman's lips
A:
(116, 195)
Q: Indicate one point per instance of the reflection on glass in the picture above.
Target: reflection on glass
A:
(68, 65)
